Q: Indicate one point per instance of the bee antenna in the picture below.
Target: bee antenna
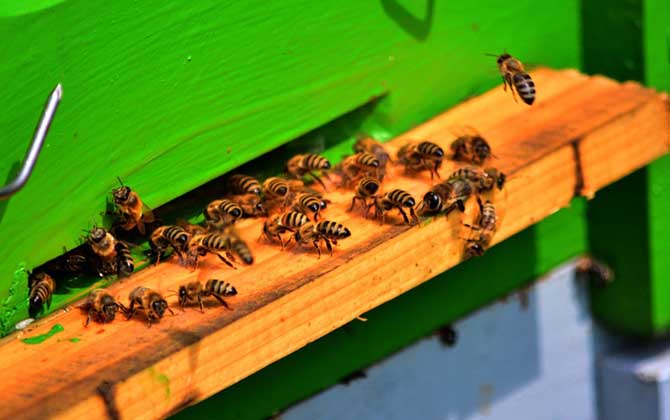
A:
(120, 182)
(492, 55)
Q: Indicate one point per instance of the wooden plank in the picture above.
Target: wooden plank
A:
(288, 299)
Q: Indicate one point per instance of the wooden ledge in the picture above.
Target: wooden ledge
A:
(582, 134)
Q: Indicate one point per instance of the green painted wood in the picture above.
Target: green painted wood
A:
(403, 320)
(170, 95)
(628, 224)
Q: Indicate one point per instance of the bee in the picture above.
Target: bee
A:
(396, 199)
(326, 231)
(151, 302)
(194, 291)
(134, 213)
(514, 75)
(446, 196)
(42, 287)
(251, 204)
(588, 268)
(218, 244)
(421, 156)
(243, 184)
(103, 244)
(310, 203)
(124, 260)
(223, 212)
(485, 228)
(360, 164)
(101, 306)
(277, 190)
(371, 145)
(301, 165)
(366, 191)
(472, 148)
(168, 236)
(287, 222)
(75, 262)
(482, 180)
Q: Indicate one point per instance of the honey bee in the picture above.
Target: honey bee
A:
(396, 199)
(360, 164)
(514, 75)
(134, 213)
(370, 145)
(194, 292)
(287, 222)
(471, 147)
(366, 191)
(310, 203)
(151, 302)
(218, 244)
(103, 244)
(326, 231)
(75, 262)
(124, 260)
(485, 229)
(220, 213)
(168, 236)
(251, 204)
(101, 306)
(277, 191)
(243, 184)
(42, 287)
(417, 157)
(482, 180)
(446, 196)
(301, 165)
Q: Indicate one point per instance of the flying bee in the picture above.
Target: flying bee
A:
(101, 306)
(220, 213)
(243, 184)
(42, 287)
(251, 204)
(366, 191)
(310, 203)
(370, 145)
(358, 165)
(124, 260)
(482, 180)
(168, 236)
(396, 199)
(485, 229)
(301, 165)
(471, 147)
(194, 292)
(151, 302)
(420, 156)
(514, 75)
(287, 222)
(134, 213)
(103, 244)
(446, 196)
(326, 231)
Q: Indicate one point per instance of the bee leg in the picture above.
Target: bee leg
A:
(130, 312)
(504, 84)
(415, 219)
(171, 311)
(318, 249)
(88, 318)
(200, 303)
(404, 215)
(319, 180)
(228, 263)
(223, 302)
(329, 246)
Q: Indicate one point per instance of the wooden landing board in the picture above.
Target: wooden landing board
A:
(582, 134)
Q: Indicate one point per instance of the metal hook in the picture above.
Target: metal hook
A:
(36, 146)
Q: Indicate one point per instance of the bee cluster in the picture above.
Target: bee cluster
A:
(293, 213)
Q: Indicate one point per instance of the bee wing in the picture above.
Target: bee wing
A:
(463, 130)
(147, 214)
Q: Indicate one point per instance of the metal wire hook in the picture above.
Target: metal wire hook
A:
(36, 146)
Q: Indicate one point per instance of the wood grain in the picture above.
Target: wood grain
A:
(288, 299)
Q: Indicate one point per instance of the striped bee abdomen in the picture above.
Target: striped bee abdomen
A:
(220, 287)
(525, 87)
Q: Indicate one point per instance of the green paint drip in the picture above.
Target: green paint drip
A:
(75, 340)
(41, 338)
(162, 379)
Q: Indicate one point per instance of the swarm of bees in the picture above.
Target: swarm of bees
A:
(293, 212)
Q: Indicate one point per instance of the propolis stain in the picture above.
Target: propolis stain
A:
(38, 339)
